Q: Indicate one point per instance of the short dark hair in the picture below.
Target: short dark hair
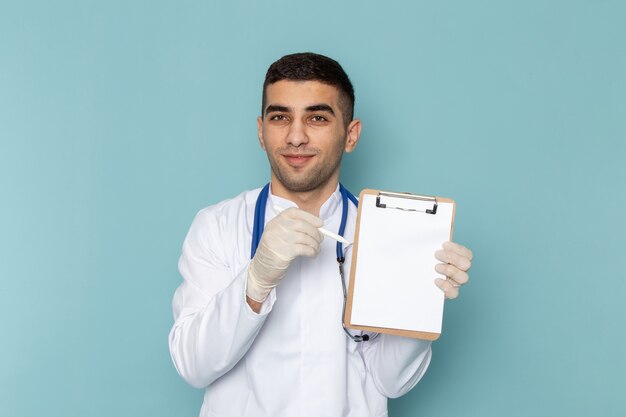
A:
(307, 66)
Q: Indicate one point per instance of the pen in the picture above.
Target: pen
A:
(325, 232)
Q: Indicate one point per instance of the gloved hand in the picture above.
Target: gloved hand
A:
(457, 260)
(290, 234)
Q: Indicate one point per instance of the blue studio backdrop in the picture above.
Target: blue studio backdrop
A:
(119, 120)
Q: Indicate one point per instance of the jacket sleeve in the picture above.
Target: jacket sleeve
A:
(214, 326)
(396, 363)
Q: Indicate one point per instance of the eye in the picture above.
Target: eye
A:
(278, 118)
(318, 119)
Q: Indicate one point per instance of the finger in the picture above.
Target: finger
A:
(441, 255)
(298, 244)
(453, 258)
(301, 238)
(460, 249)
(299, 214)
(300, 227)
(289, 229)
(452, 272)
(449, 290)
(306, 250)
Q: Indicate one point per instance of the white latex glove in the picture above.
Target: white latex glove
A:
(290, 234)
(457, 261)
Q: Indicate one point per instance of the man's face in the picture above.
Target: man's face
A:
(303, 133)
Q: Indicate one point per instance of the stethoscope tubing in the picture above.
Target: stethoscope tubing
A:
(259, 225)
(259, 217)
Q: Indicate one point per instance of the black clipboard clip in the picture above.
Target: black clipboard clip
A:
(408, 196)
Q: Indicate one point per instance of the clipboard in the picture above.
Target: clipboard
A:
(392, 274)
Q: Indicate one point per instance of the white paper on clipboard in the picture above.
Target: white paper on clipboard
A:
(394, 270)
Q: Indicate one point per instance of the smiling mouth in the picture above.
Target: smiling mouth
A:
(297, 160)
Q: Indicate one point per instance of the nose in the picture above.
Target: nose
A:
(297, 134)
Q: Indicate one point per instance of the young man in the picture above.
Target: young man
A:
(258, 315)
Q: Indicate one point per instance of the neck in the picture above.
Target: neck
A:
(310, 201)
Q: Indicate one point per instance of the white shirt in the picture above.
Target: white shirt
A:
(293, 358)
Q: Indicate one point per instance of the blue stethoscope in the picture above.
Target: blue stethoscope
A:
(259, 225)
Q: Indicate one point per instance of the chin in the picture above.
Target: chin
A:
(302, 185)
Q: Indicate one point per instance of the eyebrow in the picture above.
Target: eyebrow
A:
(274, 107)
(321, 107)
(315, 107)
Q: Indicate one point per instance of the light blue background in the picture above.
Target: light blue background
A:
(119, 120)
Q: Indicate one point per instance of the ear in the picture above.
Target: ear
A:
(353, 134)
(259, 127)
